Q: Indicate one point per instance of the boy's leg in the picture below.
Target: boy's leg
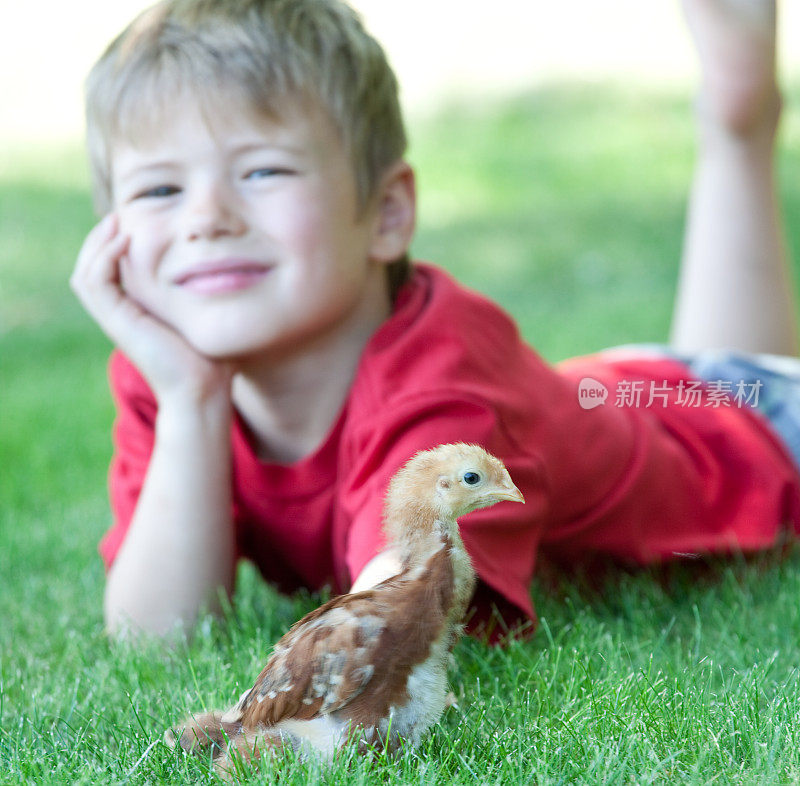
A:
(735, 288)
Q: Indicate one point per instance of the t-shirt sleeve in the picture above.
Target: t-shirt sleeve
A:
(133, 437)
(502, 540)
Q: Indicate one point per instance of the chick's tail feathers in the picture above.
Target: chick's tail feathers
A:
(232, 745)
(198, 732)
(246, 748)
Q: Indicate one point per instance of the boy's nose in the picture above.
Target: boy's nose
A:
(211, 213)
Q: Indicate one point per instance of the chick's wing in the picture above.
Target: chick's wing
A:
(322, 663)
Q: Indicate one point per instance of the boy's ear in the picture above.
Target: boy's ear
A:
(396, 214)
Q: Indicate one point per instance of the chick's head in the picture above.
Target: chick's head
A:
(453, 480)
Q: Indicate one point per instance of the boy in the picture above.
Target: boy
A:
(279, 358)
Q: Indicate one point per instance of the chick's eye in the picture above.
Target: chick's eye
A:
(471, 478)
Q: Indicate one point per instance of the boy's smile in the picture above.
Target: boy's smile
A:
(246, 236)
(222, 275)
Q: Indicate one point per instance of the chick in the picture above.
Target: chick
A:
(371, 666)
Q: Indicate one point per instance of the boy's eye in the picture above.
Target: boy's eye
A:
(158, 191)
(263, 172)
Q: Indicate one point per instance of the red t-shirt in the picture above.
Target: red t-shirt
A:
(637, 484)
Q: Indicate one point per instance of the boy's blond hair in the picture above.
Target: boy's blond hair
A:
(265, 54)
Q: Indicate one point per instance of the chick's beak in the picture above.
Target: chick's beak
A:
(508, 491)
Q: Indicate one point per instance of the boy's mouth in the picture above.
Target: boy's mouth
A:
(222, 275)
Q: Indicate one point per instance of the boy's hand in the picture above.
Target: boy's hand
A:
(169, 364)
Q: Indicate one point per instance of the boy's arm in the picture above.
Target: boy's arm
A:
(179, 549)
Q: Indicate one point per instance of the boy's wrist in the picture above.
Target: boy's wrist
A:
(206, 396)
(184, 411)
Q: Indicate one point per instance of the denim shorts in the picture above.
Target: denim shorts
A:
(772, 382)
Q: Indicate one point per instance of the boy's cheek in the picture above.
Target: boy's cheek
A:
(129, 222)
(140, 287)
(145, 246)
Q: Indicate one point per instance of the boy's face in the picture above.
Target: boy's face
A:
(245, 235)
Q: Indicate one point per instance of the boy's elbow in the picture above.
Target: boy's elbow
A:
(134, 607)
(128, 618)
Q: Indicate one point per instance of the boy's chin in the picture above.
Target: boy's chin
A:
(238, 351)
(236, 355)
(218, 348)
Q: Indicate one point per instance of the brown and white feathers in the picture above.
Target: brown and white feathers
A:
(371, 666)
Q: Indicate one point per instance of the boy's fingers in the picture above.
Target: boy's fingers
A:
(104, 267)
(115, 312)
(96, 284)
(100, 234)
(99, 268)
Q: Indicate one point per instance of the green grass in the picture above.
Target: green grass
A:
(567, 207)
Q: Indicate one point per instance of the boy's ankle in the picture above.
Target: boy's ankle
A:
(743, 116)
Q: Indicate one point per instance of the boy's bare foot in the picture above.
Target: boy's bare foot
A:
(735, 289)
(735, 41)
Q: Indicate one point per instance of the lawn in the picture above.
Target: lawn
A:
(566, 206)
